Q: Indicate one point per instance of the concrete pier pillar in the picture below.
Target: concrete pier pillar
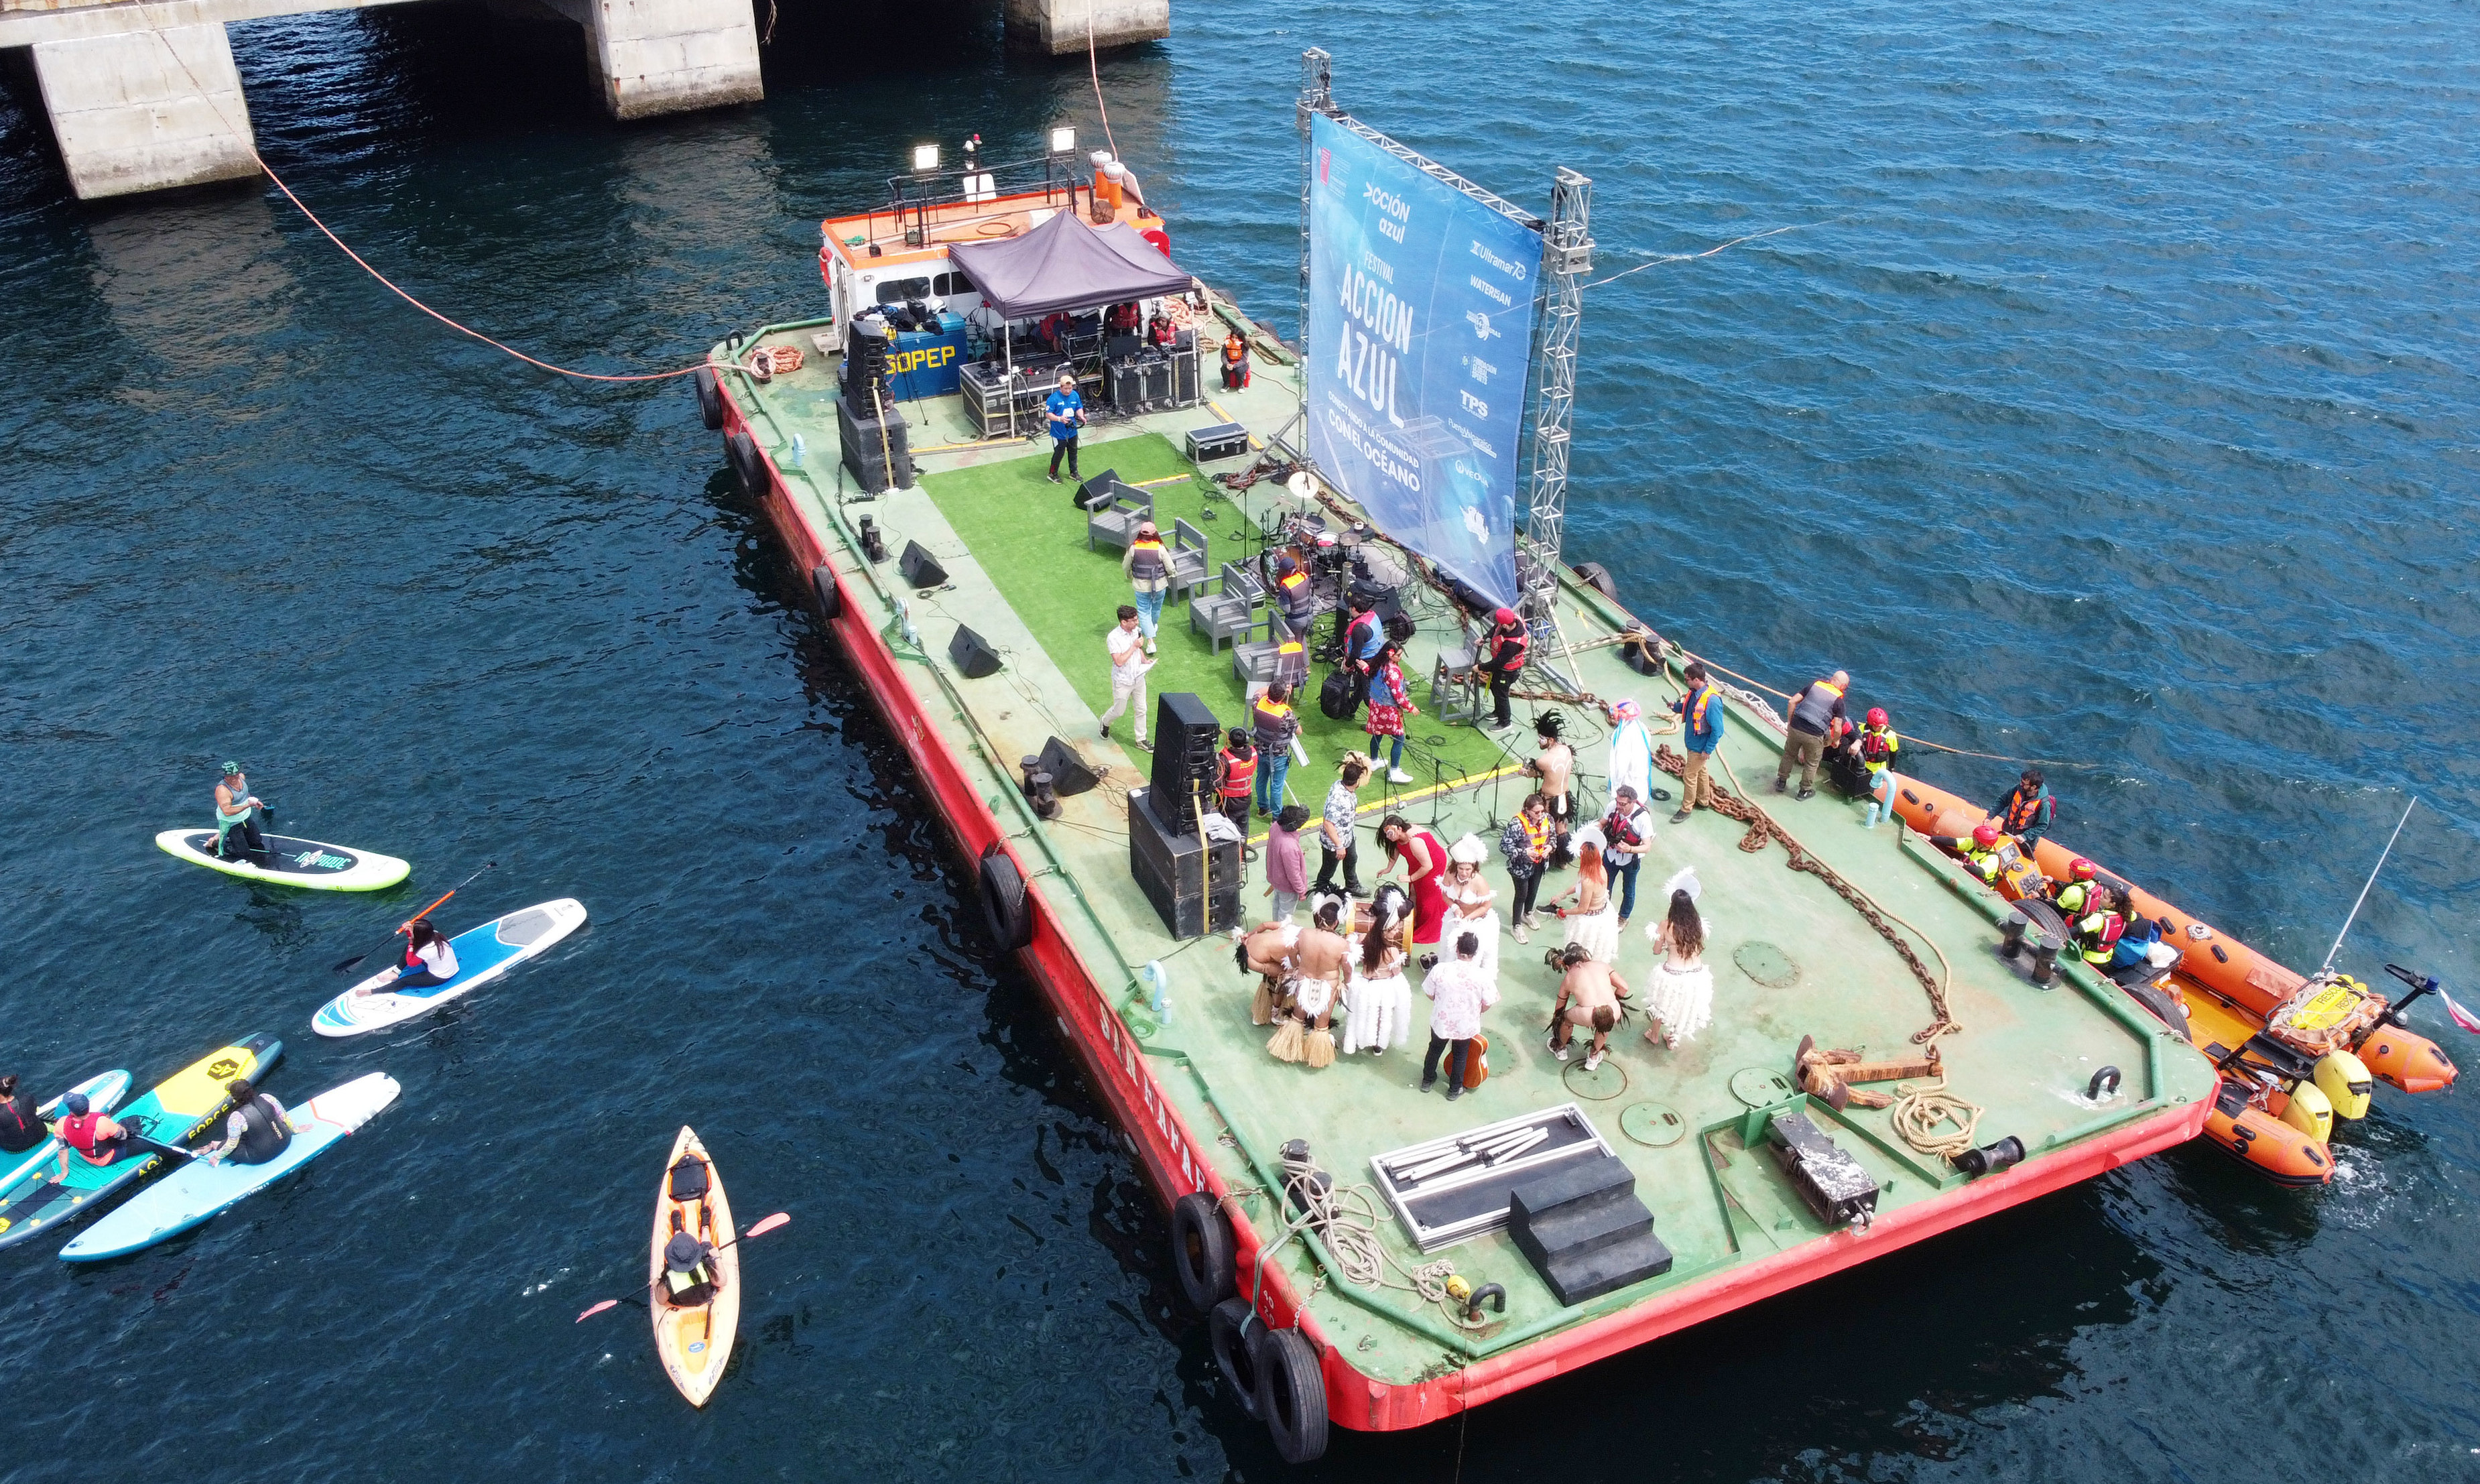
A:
(1059, 26)
(146, 110)
(670, 55)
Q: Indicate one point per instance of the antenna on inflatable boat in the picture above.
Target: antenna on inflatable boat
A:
(2363, 891)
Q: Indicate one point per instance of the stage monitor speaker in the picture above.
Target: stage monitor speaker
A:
(1069, 774)
(1183, 374)
(920, 567)
(1185, 733)
(1194, 885)
(973, 654)
(1095, 492)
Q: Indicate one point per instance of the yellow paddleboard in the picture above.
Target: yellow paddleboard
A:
(694, 1343)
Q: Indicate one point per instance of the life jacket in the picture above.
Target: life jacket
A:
(1291, 662)
(1239, 772)
(263, 1134)
(1147, 561)
(1507, 652)
(1878, 746)
(1693, 707)
(1536, 836)
(1816, 704)
(1619, 831)
(2022, 814)
(1123, 316)
(686, 1288)
(1363, 641)
(2098, 936)
(1295, 585)
(1235, 350)
(77, 1131)
(1271, 721)
(1161, 332)
(2071, 899)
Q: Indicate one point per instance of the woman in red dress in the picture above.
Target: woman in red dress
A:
(1426, 860)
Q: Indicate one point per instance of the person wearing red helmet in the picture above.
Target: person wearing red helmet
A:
(1503, 657)
(2075, 892)
(1995, 857)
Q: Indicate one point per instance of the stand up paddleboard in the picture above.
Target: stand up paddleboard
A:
(194, 1193)
(290, 862)
(694, 1343)
(168, 1112)
(103, 1094)
(482, 954)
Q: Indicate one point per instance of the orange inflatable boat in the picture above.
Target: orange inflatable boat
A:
(2272, 1111)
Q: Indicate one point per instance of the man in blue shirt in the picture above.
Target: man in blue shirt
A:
(1067, 409)
(1700, 713)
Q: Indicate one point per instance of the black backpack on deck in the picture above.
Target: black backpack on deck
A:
(1335, 696)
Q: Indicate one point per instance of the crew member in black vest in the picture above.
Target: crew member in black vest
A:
(1813, 711)
(21, 1125)
(1503, 657)
(1363, 637)
(256, 1131)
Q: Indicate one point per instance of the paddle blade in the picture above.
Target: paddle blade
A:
(780, 1218)
(349, 962)
(608, 1303)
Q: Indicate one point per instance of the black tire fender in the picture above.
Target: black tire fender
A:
(710, 397)
(1597, 577)
(1291, 1395)
(1202, 1251)
(1234, 1331)
(831, 598)
(746, 462)
(1006, 905)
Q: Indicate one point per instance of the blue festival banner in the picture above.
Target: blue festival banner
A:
(1420, 330)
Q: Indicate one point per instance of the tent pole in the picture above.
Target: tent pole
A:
(1007, 338)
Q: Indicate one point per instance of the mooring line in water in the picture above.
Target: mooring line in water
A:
(463, 329)
(1690, 257)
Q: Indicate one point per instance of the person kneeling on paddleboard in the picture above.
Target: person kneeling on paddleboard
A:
(237, 814)
(256, 1131)
(689, 1279)
(429, 958)
(96, 1136)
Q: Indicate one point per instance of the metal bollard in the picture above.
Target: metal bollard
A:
(2011, 943)
(2045, 960)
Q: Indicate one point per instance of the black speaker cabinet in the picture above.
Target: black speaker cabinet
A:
(921, 568)
(1069, 774)
(973, 654)
(875, 451)
(1095, 492)
(1183, 372)
(1194, 886)
(1185, 732)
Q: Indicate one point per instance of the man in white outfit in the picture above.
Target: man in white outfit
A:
(1631, 763)
(1129, 667)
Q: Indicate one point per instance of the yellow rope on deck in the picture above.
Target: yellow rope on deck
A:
(1921, 1109)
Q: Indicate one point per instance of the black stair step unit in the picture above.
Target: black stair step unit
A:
(1585, 1231)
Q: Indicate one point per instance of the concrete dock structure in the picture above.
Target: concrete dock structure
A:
(1061, 26)
(144, 95)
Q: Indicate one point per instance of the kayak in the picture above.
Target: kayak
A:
(170, 1112)
(694, 1343)
(482, 954)
(103, 1094)
(290, 862)
(194, 1193)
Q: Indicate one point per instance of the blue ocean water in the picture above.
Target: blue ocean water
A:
(2112, 402)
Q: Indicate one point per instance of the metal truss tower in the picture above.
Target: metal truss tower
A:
(1566, 258)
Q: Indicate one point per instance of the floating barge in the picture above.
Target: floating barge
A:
(2075, 1074)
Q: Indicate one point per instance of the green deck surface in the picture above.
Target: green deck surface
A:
(1790, 957)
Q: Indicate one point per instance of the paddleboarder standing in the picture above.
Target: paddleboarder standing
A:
(237, 814)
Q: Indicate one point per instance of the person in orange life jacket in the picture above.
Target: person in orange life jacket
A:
(1161, 333)
(1235, 777)
(690, 1274)
(1700, 711)
(1525, 844)
(1390, 701)
(21, 1123)
(1503, 657)
(1148, 569)
(1129, 667)
(1816, 708)
(1235, 362)
(1124, 319)
(2027, 811)
(429, 958)
(1295, 594)
(93, 1136)
(255, 1132)
(1627, 834)
(1066, 409)
(1273, 725)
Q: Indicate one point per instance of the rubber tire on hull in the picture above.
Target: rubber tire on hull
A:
(1594, 575)
(746, 464)
(1203, 1252)
(1233, 1331)
(831, 598)
(1005, 905)
(1291, 1395)
(2164, 1009)
(710, 399)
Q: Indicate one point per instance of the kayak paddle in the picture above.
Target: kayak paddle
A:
(415, 918)
(770, 1223)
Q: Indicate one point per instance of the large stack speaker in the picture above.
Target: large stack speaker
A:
(867, 342)
(874, 445)
(1193, 882)
(1184, 388)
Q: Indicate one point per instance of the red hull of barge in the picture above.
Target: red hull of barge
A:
(1163, 1143)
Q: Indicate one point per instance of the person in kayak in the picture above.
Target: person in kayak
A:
(255, 1132)
(21, 1125)
(237, 814)
(96, 1136)
(429, 958)
(690, 1276)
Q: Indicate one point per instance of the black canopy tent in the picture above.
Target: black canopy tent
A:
(1063, 266)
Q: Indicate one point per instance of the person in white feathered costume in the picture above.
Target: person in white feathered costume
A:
(1680, 998)
(1631, 760)
(1471, 902)
(1378, 1000)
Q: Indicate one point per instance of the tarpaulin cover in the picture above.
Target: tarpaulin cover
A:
(1064, 265)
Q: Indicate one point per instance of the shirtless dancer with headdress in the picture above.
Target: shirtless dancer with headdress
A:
(1281, 953)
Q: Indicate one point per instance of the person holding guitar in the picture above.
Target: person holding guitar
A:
(1458, 993)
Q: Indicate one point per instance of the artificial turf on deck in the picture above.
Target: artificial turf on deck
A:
(1030, 538)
